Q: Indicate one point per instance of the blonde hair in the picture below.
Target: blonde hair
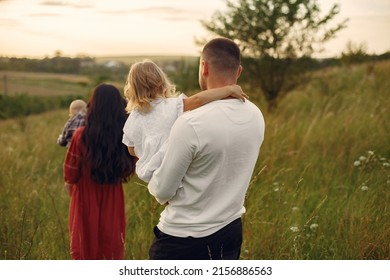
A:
(77, 106)
(145, 83)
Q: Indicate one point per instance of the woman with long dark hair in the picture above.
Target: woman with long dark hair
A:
(95, 167)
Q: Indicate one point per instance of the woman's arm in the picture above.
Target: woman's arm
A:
(210, 95)
(73, 159)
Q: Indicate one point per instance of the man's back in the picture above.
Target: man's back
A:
(208, 166)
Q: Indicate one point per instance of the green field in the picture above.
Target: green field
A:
(42, 84)
(320, 190)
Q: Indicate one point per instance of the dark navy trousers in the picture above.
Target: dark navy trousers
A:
(224, 244)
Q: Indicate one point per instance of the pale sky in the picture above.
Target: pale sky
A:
(38, 28)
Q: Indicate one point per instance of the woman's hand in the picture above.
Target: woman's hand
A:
(68, 188)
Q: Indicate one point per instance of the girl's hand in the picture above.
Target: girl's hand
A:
(236, 92)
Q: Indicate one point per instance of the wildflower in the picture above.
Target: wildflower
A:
(294, 229)
(357, 163)
(371, 153)
(362, 158)
(382, 159)
(313, 226)
(276, 189)
(295, 208)
(364, 188)
(386, 164)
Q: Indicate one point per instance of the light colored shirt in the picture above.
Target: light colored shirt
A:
(210, 158)
(147, 132)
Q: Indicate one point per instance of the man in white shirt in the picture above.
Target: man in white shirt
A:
(209, 162)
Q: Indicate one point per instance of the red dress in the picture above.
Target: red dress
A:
(96, 212)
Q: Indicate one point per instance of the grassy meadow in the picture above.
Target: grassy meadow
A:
(42, 84)
(320, 190)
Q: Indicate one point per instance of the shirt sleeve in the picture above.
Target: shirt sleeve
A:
(182, 147)
(62, 139)
(72, 164)
(127, 141)
(128, 130)
(180, 104)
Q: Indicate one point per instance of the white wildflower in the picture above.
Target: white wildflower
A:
(362, 158)
(313, 226)
(276, 186)
(371, 153)
(295, 208)
(386, 164)
(364, 188)
(294, 229)
(357, 163)
(382, 159)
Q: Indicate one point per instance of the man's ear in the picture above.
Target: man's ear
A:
(205, 68)
(239, 71)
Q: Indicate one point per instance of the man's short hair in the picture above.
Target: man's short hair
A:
(222, 54)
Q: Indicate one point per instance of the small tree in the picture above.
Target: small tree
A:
(354, 53)
(274, 36)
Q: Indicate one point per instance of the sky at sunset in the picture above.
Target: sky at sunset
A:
(38, 28)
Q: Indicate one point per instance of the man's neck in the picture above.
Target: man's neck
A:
(219, 83)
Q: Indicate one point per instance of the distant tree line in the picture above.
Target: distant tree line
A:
(183, 72)
(56, 64)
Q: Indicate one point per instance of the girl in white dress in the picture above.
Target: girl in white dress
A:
(154, 106)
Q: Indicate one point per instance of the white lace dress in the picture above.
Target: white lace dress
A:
(147, 133)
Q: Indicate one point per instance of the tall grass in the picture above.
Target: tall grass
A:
(311, 201)
(320, 189)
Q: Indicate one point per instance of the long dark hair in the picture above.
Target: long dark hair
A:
(109, 158)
